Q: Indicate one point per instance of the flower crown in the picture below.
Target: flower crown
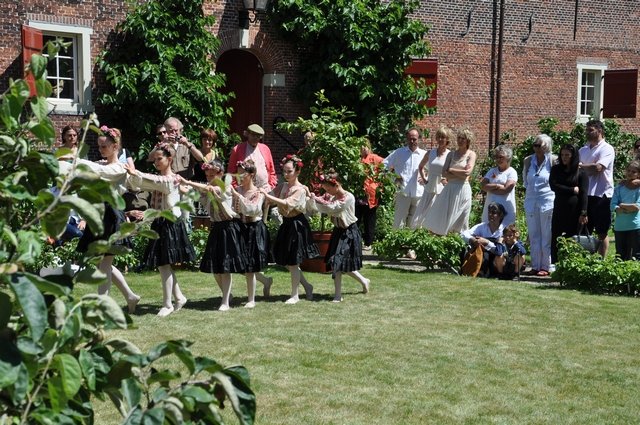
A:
(293, 158)
(326, 179)
(110, 132)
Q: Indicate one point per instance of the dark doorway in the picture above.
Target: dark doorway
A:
(244, 77)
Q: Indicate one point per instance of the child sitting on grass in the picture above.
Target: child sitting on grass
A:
(511, 262)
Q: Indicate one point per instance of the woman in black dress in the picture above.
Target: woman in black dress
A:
(570, 185)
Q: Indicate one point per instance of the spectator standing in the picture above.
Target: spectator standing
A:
(538, 203)
(596, 159)
(626, 204)
(450, 211)
(570, 184)
(255, 150)
(433, 182)
(208, 139)
(500, 183)
(187, 154)
(366, 208)
(404, 162)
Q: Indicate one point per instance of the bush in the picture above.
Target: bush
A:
(579, 269)
(433, 252)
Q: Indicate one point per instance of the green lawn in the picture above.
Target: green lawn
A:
(421, 348)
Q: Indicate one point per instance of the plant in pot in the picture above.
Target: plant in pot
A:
(331, 142)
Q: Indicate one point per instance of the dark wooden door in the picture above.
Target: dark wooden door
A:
(244, 78)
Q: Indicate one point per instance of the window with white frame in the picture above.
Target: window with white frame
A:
(590, 91)
(69, 72)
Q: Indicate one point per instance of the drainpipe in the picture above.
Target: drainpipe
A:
(492, 90)
(499, 78)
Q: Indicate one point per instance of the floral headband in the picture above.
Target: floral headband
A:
(111, 132)
(293, 158)
(326, 179)
(209, 166)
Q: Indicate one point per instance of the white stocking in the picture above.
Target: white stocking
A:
(337, 281)
(167, 277)
(251, 287)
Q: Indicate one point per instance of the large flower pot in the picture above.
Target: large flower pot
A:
(317, 265)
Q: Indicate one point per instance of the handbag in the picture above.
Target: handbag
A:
(586, 241)
(472, 262)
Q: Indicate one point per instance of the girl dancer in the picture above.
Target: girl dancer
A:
(345, 247)
(173, 245)
(247, 201)
(293, 241)
(225, 251)
(114, 172)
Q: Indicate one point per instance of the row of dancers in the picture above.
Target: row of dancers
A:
(238, 240)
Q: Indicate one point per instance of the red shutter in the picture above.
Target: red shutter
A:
(427, 69)
(620, 93)
(31, 43)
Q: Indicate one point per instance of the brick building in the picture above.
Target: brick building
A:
(555, 55)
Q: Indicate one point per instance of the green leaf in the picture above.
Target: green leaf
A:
(48, 287)
(32, 303)
(38, 65)
(180, 349)
(153, 416)
(242, 398)
(57, 395)
(10, 358)
(70, 372)
(198, 394)
(109, 307)
(88, 369)
(163, 376)
(91, 274)
(124, 346)
(91, 213)
(131, 392)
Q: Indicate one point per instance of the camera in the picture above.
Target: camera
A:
(177, 138)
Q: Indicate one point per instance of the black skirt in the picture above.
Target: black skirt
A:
(112, 220)
(225, 251)
(171, 247)
(256, 239)
(294, 242)
(345, 250)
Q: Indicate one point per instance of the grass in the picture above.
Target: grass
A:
(421, 348)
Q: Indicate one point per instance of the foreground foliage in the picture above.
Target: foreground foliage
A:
(54, 358)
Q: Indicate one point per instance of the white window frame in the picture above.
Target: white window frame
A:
(82, 52)
(598, 69)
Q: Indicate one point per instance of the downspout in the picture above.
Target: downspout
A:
(499, 78)
(492, 90)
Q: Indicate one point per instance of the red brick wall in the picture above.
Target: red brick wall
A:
(539, 74)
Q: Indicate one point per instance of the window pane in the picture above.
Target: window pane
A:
(52, 68)
(67, 89)
(66, 68)
(590, 93)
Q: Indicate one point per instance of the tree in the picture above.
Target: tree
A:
(55, 357)
(357, 51)
(160, 63)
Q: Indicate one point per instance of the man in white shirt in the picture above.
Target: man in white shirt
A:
(596, 159)
(404, 162)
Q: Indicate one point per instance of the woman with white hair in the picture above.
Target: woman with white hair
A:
(500, 183)
(538, 203)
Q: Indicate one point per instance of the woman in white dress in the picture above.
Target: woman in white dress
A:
(451, 208)
(499, 183)
(432, 180)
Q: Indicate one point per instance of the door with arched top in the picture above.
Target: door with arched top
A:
(244, 78)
